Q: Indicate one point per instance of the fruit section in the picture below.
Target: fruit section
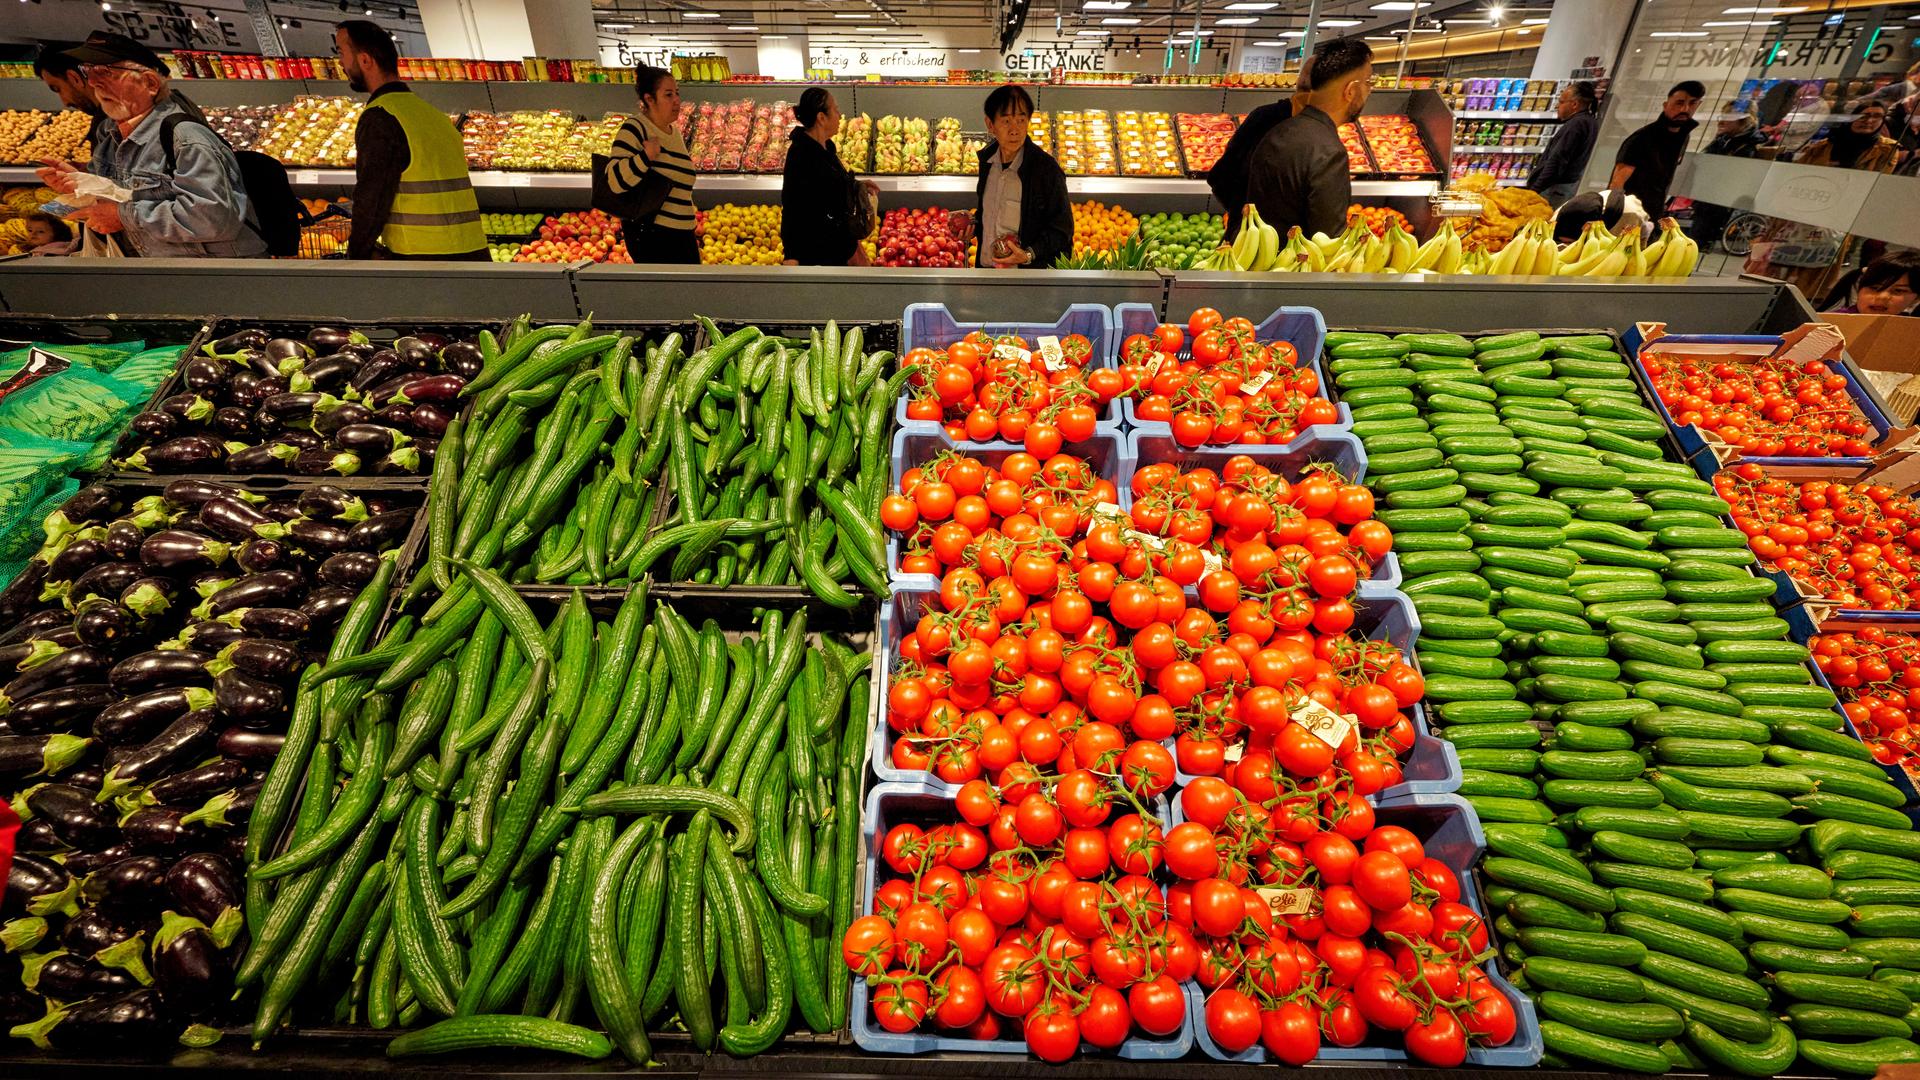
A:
(27, 135)
(1203, 137)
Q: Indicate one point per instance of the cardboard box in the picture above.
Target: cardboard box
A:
(1886, 348)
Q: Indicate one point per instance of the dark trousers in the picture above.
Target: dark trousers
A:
(650, 243)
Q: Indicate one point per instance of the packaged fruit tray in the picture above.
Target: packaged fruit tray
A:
(932, 326)
(1302, 328)
(1450, 832)
(1396, 146)
(1203, 138)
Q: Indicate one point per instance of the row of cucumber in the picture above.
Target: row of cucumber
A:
(1649, 754)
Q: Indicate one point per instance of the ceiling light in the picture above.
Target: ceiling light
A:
(970, 52)
(773, 37)
(1339, 22)
(1108, 5)
(699, 14)
(1117, 20)
(1303, 33)
(1763, 11)
(1468, 22)
(1495, 12)
(1380, 37)
(1253, 5)
(1680, 34)
(1091, 33)
(852, 15)
(1533, 22)
(617, 26)
(755, 28)
(1238, 20)
(1400, 5)
(1739, 22)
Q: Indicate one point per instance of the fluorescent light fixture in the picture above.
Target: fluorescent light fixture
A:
(1374, 37)
(1091, 33)
(1400, 5)
(699, 14)
(1679, 34)
(1763, 10)
(1293, 33)
(969, 52)
(1108, 5)
(1267, 44)
(1339, 22)
(853, 15)
(1238, 20)
(616, 26)
(1739, 22)
(1468, 22)
(1253, 5)
(754, 28)
(1119, 20)
(773, 37)
(1533, 22)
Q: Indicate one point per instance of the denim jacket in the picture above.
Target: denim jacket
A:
(200, 210)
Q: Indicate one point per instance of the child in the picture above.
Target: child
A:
(1889, 285)
(48, 235)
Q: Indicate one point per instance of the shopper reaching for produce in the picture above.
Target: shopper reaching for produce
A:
(1228, 177)
(1299, 173)
(825, 212)
(412, 198)
(1021, 205)
(188, 200)
(648, 150)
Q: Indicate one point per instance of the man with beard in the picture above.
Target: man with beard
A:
(62, 75)
(412, 198)
(1645, 165)
(188, 198)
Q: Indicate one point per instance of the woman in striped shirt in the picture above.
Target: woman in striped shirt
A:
(648, 142)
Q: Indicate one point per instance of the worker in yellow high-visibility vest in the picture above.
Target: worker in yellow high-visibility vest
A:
(412, 198)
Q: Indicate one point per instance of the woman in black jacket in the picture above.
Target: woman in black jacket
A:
(1033, 208)
(817, 192)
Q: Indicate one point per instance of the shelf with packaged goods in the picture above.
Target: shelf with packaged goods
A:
(1505, 114)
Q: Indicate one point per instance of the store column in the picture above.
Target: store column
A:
(783, 55)
(510, 29)
(1577, 32)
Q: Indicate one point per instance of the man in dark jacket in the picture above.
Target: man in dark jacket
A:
(1022, 194)
(1645, 165)
(1228, 177)
(1556, 172)
(1299, 173)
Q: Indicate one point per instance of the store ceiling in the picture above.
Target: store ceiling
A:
(967, 25)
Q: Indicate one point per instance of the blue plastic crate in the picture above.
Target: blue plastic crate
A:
(1448, 827)
(1694, 445)
(1303, 328)
(887, 803)
(916, 444)
(932, 326)
(1323, 443)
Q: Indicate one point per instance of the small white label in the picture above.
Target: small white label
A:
(1008, 351)
(306, 176)
(1152, 543)
(1106, 511)
(1211, 560)
(1153, 365)
(1287, 901)
(1234, 753)
(1257, 383)
(524, 180)
(1051, 356)
(1326, 725)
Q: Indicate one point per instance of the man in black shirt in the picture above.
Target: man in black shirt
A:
(1646, 162)
(1556, 172)
(1228, 177)
(1299, 173)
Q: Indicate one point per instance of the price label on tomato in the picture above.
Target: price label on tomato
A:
(1051, 355)
(1326, 725)
(1287, 901)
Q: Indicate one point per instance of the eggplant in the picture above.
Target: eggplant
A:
(88, 775)
(258, 556)
(64, 976)
(326, 374)
(185, 740)
(438, 389)
(18, 1005)
(81, 664)
(123, 540)
(22, 595)
(187, 453)
(195, 785)
(248, 701)
(234, 422)
(40, 755)
(349, 569)
(37, 885)
(79, 821)
(323, 535)
(134, 1021)
(237, 520)
(248, 389)
(272, 588)
(267, 457)
(212, 635)
(282, 348)
(281, 624)
(326, 502)
(60, 709)
(21, 655)
(205, 886)
(190, 408)
(178, 550)
(381, 531)
(259, 362)
(327, 605)
(149, 596)
(204, 372)
(94, 930)
(349, 412)
(190, 972)
(301, 440)
(160, 830)
(157, 669)
(155, 426)
(395, 414)
(38, 624)
(384, 364)
(262, 658)
(291, 407)
(328, 337)
(77, 558)
(369, 440)
(239, 341)
(431, 419)
(107, 580)
(232, 807)
(238, 742)
(324, 462)
(417, 351)
(462, 358)
(139, 718)
(40, 837)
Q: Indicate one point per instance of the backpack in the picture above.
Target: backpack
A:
(264, 179)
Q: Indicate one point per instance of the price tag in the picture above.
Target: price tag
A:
(1007, 351)
(1287, 901)
(524, 180)
(1106, 511)
(306, 176)
(1153, 365)
(1051, 356)
(1234, 753)
(1326, 725)
(1257, 383)
(1149, 541)
(1211, 560)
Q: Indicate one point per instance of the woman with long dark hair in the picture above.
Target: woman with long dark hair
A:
(819, 199)
(646, 143)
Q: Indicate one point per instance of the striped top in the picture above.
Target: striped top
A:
(628, 164)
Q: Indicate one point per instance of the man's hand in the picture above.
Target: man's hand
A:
(58, 175)
(102, 217)
(859, 257)
(872, 188)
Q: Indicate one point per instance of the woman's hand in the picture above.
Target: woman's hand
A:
(859, 257)
(651, 148)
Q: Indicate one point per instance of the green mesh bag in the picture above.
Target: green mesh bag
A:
(31, 466)
(24, 534)
(150, 368)
(76, 405)
(104, 357)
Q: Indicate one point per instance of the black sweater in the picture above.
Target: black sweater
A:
(1046, 215)
(814, 204)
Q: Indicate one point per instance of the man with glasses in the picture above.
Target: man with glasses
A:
(188, 198)
(1299, 174)
(62, 75)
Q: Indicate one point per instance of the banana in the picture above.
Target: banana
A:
(1636, 256)
(1268, 249)
(1614, 261)
(1451, 258)
(1427, 256)
(1507, 257)
(1545, 254)
(1401, 249)
(1246, 243)
(1315, 260)
(1328, 246)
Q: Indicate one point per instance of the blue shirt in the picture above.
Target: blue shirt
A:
(199, 210)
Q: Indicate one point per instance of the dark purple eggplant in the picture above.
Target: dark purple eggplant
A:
(207, 582)
(39, 837)
(193, 786)
(204, 372)
(60, 709)
(284, 507)
(349, 412)
(155, 426)
(329, 337)
(462, 358)
(325, 502)
(258, 361)
(381, 531)
(21, 595)
(267, 457)
(248, 389)
(431, 419)
(396, 414)
(37, 885)
(150, 596)
(187, 453)
(226, 808)
(88, 775)
(301, 440)
(77, 558)
(160, 830)
(237, 742)
(192, 493)
(288, 407)
(416, 351)
(136, 1021)
(205, 886)
(237, 520)
(177, 551)
(282, 348)
(106, 580)
(134, 887)
(349, 569)
(319, 535)
(439, 389)
(211, 635)
(79, 820)
(384, 364)
(369, 440)
(40, 755)
(93, 930)
(37, 625)
(248, 701)
(326, 374)
(64, 976)
(191, 973)
(81, 863)
(259, 556)
(21, 655)
(190, 408)
(324, 462)
(91, 504)
(234, 422)
(18, 1005)
(123, 540)
(327, 605)
(262, 658)
(273, 588)
(405, 461)
(139, 718)
(157, 669)
(239, 341)
(186, 739)
(282, 624)
(72, 666)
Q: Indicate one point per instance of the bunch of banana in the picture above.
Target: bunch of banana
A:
(1603, 255)
(1674, 254)
(1530, 252)
(1257, 245)
(1402, 248)
(1441, 254)
(1300, 255)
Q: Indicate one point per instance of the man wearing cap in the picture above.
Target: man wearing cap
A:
(412, 197)
(188, 199)
(61, 74)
